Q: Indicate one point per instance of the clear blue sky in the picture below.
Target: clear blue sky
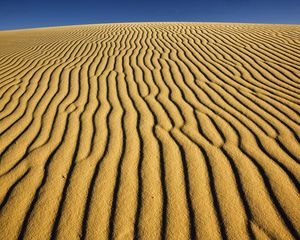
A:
(42, 13)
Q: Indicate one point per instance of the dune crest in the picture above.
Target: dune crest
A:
(150, 131)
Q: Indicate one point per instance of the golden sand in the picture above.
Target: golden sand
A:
(150, 131)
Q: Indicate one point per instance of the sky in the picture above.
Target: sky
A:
(42, 13)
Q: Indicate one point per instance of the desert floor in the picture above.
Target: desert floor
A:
(150, 131)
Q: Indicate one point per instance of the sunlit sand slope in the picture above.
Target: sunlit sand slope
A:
(150, 131)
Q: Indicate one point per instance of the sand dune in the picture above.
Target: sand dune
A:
(150, 131)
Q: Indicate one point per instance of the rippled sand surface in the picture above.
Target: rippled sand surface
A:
(150, 131)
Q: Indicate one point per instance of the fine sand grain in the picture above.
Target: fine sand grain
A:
(150, 131)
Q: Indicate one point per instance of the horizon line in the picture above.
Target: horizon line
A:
(141, 22)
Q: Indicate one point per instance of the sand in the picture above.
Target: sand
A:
(150, 131)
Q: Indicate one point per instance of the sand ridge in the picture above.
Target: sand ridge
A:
(150, 131)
